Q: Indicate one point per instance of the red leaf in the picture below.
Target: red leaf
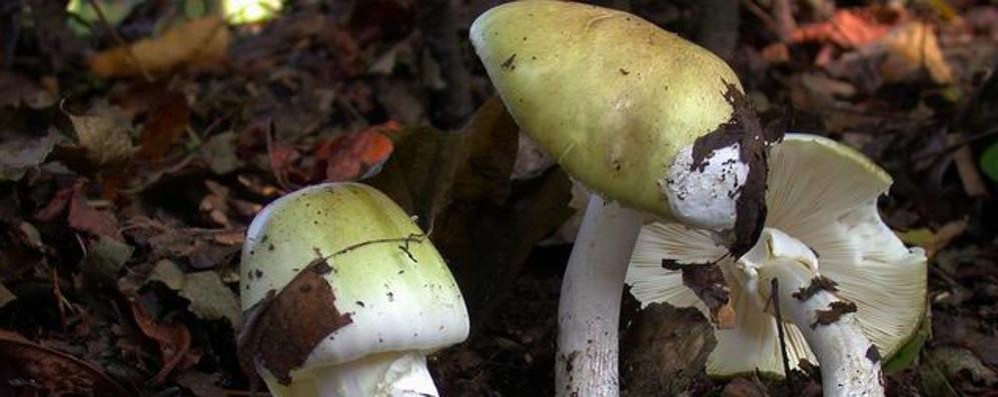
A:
(853, 27)
(86, 219)
(354, 156)
(174, 342)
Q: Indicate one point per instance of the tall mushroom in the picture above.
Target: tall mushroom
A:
(651, 123)
(849, 290)
(344, 296)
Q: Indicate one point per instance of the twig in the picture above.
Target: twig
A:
(762, 15)
(412, 238)
(121, 41)
(956, 145)
(774, 295)
(783, 15)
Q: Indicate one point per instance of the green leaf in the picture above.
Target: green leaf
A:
(906, 356)
(210, 298)
(105, 257)
(989, 161)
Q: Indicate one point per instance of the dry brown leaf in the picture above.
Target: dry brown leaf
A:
(6, 296)
(51, 372)
(104, 134)
(934, 241)
(909, 49)
(199, 44)
(83, 217)
(174, 342)
(166, 124)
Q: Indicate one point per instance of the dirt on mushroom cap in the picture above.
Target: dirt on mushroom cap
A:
(300, 316)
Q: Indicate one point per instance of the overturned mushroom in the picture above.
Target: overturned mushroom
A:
(344, 296)
(845, 280)
(651, 123)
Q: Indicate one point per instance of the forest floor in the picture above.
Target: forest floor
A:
(129, 172)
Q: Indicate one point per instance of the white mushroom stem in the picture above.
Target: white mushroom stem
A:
(389, 374)
(850, 365)
(589, 309)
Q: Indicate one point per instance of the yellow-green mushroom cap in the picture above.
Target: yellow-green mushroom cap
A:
(383, 272)
(612, 97)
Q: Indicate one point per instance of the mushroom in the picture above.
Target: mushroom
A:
(344, 296)
(653, 124)
(849, 290)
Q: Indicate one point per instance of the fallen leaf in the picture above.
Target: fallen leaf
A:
(354, 156)
(105, 257)
(934, 241)
(174, 340)
(215, 204)
(82, 217)
(104, 134)
(210, 299)
(956, 363)
(281, 330)
(910, 48)
(219, 152)
(165, 124)
(989, 161)
(741, 387)
(851, 27)
(19, 90)
(201, 384)
(197, 44)
(6, 296)
(51, 373)
(19, 155)
(167, 272)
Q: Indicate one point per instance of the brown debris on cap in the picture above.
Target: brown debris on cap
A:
(835, 310)
(300, 316)
(818, 284)
(745, 130)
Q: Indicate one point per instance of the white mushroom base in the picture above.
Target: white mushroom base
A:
(392, 374)
(848, 366)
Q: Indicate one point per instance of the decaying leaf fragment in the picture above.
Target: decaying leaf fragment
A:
(299, 316)
(174, 342)
(103, 134)
(52, 372)
(17, 156)
(200, 43)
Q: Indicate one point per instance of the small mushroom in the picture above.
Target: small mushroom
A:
(849, 290)
(344, 296)
(651, 123)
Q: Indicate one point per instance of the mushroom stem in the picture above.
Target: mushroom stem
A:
(390, 374)
(847, 366)
(589, 309)
(850, 363)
